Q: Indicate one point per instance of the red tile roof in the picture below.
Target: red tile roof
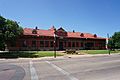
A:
(52, 28)
(40, 32)
(50, 32)
(75, 34)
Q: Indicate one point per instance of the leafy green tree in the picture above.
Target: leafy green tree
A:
(2, 25)
(9, 31)
(13, 30)
(114, 41)
(111, 44)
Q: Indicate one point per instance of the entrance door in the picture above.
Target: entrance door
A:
(60, 45)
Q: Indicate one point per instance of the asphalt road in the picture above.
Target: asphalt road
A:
(80, 68)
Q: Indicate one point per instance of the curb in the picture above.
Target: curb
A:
(70, 56)
(66, 57)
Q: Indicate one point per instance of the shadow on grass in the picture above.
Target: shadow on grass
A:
(18, 54)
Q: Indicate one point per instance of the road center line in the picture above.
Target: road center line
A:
(33, 72)
(62, 71)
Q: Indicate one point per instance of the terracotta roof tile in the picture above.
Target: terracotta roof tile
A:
(28, 31)
(75, 34)
(52, 28)
(40, 32)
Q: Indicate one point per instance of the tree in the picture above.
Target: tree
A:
(12, 30)
(2, 25)
(111, 44)
(114, 41)
(9, 31)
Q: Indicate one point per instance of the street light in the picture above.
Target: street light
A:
(55, 44)
(107, 44)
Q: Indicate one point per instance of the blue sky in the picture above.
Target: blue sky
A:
(91, 16)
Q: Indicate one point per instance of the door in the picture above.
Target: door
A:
(60, 45)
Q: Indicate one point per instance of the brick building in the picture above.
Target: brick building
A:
(39, 39)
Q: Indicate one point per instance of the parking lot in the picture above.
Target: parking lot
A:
(79, 68)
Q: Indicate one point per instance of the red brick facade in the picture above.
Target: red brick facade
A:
(38, 39)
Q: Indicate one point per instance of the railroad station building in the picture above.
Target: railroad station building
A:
(39, 39)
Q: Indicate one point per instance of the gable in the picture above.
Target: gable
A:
(61, 32)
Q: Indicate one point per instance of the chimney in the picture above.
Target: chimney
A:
(36, 27)
(73, 31)
(52, 28)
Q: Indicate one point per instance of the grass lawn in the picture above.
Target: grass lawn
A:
(47, 53)
(97, 51)
(34, 54)
(28, 54)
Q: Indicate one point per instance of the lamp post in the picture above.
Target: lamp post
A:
(107, 44)
(55, 44)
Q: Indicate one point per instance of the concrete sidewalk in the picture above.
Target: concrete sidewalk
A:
(71, 56)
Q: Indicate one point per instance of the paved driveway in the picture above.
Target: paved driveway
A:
(80, 68)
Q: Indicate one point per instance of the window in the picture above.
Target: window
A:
(95, 35)
(65, 44)
(89, 44)
(51, 44)
(46, 43)
(82, 34)
(101, 44)
(24, 44)
(33, 43)
(69, 44)
(73, 44)
(41, 43)
(34, 31)
(77, 44)
(81, 44)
